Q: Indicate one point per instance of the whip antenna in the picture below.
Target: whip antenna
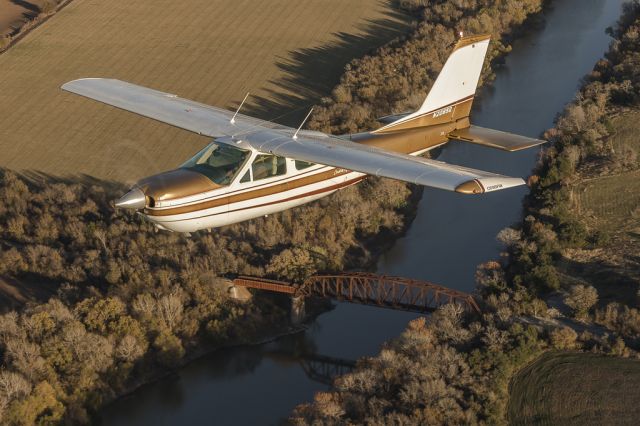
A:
(233, 119)
(295, 135)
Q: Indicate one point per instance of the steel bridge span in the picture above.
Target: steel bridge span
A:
(369, 289)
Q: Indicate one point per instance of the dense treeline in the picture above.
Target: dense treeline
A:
(132, 299)
(446, 371)
(455, 368)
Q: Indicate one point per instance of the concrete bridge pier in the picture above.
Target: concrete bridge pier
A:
(298, 313)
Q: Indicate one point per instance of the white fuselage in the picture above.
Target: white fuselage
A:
(242, 201)
(238, 201)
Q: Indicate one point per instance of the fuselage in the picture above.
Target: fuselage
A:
(192, 198)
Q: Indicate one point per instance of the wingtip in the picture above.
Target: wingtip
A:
(483, 185)
(470, 187)
(67, 86)
(468, 40)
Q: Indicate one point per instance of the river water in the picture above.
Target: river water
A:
(450, 236)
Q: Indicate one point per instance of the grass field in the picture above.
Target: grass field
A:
(611, 204)
(627, 127)
(576, 389)
(287, 53)
(612, 201)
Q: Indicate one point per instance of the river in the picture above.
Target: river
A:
(449, 237)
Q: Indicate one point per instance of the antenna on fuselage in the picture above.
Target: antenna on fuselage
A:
(233, 119)
(295, 135)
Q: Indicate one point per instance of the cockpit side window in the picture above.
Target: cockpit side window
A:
(266, 166)
(219, 162)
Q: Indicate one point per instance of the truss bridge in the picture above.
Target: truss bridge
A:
(369, 289)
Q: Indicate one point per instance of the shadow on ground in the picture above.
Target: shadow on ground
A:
(312, 73)
(615, 283)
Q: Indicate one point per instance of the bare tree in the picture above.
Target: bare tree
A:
(13, 385)
(170, 309)
(129, 349)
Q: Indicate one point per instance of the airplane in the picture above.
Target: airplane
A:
(254, 167)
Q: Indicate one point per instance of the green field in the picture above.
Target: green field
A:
(576, 389)
(287, 53)
(626, 133)
(612, 202)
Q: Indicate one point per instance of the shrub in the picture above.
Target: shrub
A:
(170, 349)
(563, 338)
(544, 278)
(581, 299)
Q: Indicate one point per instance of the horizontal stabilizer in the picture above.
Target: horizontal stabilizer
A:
(494, 138)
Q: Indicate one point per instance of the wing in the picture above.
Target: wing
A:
(265, 136)
(189, 115)
(334, 151)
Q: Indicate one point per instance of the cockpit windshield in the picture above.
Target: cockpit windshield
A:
(219, 162)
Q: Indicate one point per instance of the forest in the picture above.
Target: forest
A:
(455, 368)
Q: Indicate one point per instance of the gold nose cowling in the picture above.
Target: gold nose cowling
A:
(134, 199)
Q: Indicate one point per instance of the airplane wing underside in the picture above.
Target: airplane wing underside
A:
(265, 136)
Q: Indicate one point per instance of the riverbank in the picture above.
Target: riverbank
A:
(265, 336)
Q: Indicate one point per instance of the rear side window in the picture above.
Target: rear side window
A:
(266, 166)
(300, 165)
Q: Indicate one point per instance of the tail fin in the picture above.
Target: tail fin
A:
(452, 94)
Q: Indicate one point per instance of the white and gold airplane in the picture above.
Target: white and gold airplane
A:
(254, 168)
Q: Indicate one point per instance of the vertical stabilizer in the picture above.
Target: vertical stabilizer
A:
(452, 93)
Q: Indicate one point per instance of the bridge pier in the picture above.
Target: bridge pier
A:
(298, 313)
